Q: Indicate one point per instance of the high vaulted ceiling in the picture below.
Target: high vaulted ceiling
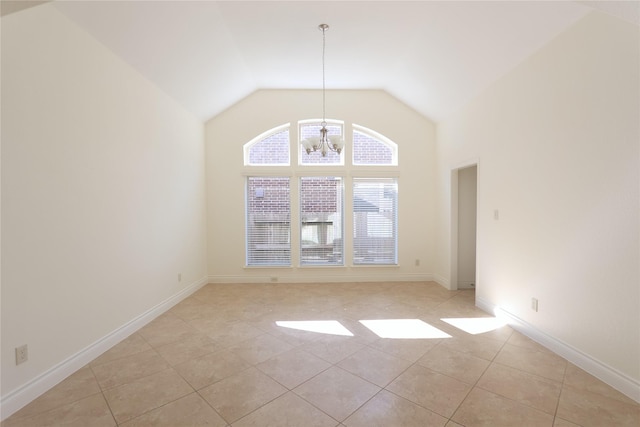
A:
(434, 56)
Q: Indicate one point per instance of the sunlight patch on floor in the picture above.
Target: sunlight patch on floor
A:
(331, 327)
(475, 325)
(404, 329)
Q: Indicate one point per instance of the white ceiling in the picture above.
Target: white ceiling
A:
(434, 56)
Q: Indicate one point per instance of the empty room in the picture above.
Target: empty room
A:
(320, 213)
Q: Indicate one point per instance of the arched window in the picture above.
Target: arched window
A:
(319, 237)
(373, 149)
(269, 149)
(309, 128)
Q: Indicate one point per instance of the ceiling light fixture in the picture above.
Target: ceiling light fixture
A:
(324, 142)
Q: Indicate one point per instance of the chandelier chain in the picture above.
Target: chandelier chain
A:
(325, 142)
(323, 79)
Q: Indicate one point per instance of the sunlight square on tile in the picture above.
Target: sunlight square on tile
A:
(475, 325)
(331, 327)
(404, 329)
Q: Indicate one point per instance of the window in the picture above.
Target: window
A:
(319, 185)
(321, 202)
(271, 148)
(308, 129)
(375, 220)
(268, 221)
(371, 148)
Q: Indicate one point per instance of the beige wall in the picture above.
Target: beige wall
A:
(227, 133)
(102, 193)
(558, 144)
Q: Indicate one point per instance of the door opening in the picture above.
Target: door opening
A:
(464, 194)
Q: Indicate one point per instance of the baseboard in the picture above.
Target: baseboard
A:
(611, 376)
(315, 277)
(442, 281)
(25, 394)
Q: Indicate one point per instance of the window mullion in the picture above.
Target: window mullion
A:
(295, 222)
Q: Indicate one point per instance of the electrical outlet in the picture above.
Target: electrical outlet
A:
(534, 304)
(22, 354)
(179, 277)
(496, 214)
(417, 263)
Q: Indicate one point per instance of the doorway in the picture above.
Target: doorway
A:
(464, 213)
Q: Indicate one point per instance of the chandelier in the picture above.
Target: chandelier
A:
(324, 142)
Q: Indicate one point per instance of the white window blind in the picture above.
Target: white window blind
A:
(375, 221)
(321, 207)
(268, 221)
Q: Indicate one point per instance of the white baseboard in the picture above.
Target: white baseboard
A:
(442, 281)
(611, 376)
(319, 277)
(20, 397)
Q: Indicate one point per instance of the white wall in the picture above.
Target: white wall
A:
(558, 143)
(227, 133)
(102, 194)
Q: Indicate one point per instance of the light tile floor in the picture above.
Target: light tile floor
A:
(219, 359)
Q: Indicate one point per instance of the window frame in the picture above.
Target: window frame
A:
(340, 203)
(348, 173)
(248, 235)
(355, 226)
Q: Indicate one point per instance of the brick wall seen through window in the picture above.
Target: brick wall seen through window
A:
(368, 150)
(268, 221)
(272, 150)
(321, 220)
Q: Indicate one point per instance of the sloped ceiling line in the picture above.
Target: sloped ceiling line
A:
(433, 56)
